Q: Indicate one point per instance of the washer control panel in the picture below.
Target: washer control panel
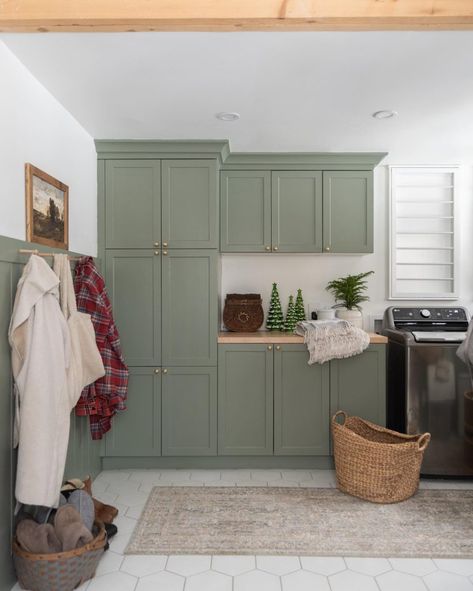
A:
(431, 315)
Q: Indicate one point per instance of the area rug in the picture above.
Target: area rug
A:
(302, 522)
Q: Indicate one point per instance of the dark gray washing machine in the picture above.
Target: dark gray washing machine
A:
(428, 385)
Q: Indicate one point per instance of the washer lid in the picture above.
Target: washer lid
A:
(438, 337)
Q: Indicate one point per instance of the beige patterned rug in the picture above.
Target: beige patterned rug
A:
(303, 521)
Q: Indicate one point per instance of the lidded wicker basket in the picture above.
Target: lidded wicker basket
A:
(61, 571)
(375, 463)
(243, 312)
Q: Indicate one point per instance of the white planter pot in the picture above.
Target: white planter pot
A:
(355, 317)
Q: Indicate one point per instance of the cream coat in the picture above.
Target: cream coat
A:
(40, 341)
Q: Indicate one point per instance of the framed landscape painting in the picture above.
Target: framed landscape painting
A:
(47, 209)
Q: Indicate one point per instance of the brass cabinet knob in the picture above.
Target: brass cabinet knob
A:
(270, 347)
(165, 244)
(156, 252)
(267, 248)
(156, 244)
(156, 371)
(327, 248)
(275, 248)
(165, 252)
(165, 371)
(278, 348)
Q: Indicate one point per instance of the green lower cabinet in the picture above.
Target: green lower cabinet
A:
(189, 407)
(137, 431)
(358, 385)
(245, 400)
(301, 403)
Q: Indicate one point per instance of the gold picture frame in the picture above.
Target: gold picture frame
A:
(47, 209)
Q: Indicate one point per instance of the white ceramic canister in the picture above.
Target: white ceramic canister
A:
(353, 316)
(326, 314)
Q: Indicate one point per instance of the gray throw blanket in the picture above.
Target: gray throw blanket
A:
(332, 339)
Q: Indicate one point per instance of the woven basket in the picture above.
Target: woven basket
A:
(63, 571)
(374, 463)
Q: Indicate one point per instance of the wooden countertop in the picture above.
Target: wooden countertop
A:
(272, 337)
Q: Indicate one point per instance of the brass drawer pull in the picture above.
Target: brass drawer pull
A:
(165, 371)
(156, 244)
(165, 252)
(275, 248)
(278, 348)
(270, 348)
(156, 371)
(165, 244)
(156, 252)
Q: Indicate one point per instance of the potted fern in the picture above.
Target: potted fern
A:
(349, 293)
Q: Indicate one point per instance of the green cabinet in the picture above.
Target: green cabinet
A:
(348, 211)
(358, 384)
(189, 406)
(296, 211)
(137, 431)
(190, 308)
(301, 403)
(134, 285)
(132, 203)
(149, 203)
(245, 211)
(245, 400)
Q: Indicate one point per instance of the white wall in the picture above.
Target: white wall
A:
(35, 128)
(255, 273)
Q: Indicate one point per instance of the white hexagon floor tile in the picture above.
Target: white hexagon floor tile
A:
(162, 581)
(323, 565)
(256, 580)
(188, 565)
(304, 580)
(413, 566)
(457, 566)
(142, 566)
(296, 475)
(278, 565)
(443, 581)
(109, 563)
(135, 511)
(175, 475)
(116, 581)
(396, 581)
(235, 474)
(233, 565)
(205, 475)
(209, 581)
(119, 542)
(265, 475)
(351, 581)
(132, 498)
(241, 483)
(368, 566)
(227, 483)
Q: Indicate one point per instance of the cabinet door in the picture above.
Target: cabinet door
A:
(245, 400)
(190, 204)
(348, 211)
(137, 430)
(190, 310)
(189, 423)
(301, 403)
(245, 211)
(132, 203)
(358, 384)
(134, 287)
(296, 198)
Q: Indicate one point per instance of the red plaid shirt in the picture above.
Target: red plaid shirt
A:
(102, 399)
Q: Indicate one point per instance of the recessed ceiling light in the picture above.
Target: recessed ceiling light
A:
(384, 114)
(228, 116)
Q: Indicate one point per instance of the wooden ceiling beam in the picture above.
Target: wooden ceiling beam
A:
(233, 15)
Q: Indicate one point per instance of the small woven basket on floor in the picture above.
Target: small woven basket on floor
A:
(62, 571)
(374, 463)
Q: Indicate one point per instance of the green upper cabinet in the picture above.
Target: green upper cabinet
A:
(137, 431)
(134, 285)
(132, 203)
(189, 307)
(245, 400)
(296, 199)
(301, 403)
(245, 211)
(190, 204)
(348, 212)
(358, 384)
(189, 425)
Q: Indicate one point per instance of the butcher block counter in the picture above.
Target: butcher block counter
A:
(276, 337)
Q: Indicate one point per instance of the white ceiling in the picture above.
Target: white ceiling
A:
(294, 91)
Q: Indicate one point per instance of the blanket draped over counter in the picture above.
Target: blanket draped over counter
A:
(332, 339)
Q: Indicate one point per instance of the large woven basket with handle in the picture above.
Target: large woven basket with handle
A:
(62, 571)
(375, 463)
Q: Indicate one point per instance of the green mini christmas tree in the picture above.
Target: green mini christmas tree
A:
(275, 320)
(291, 317)
(300, 308)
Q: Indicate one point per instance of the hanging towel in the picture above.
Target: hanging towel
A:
(102, 399)
(40, 342)
(86, 364)
(332, 339)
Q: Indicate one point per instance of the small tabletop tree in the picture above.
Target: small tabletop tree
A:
(275, 320)
(300, 308)
(291, 316)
